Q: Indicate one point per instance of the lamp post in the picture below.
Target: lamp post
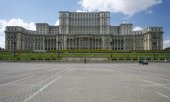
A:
(58, 48)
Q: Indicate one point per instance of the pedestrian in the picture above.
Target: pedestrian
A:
(85, 60)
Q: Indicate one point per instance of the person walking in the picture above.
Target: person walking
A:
(85, 60)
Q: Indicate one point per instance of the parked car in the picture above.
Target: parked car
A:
(143, 62)
(140, 61)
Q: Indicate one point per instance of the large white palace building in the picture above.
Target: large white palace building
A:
(83, 30)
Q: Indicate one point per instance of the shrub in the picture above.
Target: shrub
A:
(39, 58)
(53, 58)
(32, 58)
(47, 59)
(18, 59)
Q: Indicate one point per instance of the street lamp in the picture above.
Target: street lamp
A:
(58, 48)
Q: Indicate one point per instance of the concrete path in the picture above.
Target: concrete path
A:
(54, 82)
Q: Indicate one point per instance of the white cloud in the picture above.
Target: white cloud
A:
(127, 7)
(2, 41)
(81, 11)
(13, 22)
(149, 12)
(57, 23)
(137, 28)
(166, 43)
(126, 18)
(125, 22)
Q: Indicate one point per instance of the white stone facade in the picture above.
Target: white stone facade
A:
(83, 30)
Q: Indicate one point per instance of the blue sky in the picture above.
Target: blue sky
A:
(141, 13)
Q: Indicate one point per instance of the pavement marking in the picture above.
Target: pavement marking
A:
(37, 92)
(28, 85)
(61, 71)
(26, 100)
(16, 81)
(3, 75)
(71, 69)
(118, 71)
(162, 95)
(158, 77)
(162, 78)
(156, 84)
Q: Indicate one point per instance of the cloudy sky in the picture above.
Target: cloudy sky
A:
(141, 13)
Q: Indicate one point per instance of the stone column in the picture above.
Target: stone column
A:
(89, 43)
(68, 43)
(57, 39)
(103, 43)
(43, 41)
(79, 42)
(33, 45)
(50, 44)
(124, 43)
(75, 44)
(92, 42)
(119, 45)
(65, 42)
(98, 41)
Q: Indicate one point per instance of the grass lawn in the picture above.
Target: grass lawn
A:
(7, 55)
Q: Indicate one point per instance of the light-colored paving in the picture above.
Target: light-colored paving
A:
(54, 82)
(88, 60)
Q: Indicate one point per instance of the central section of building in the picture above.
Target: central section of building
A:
(84, 30)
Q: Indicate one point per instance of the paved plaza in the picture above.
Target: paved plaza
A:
(78, 82)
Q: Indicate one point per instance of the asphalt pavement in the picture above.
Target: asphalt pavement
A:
(79, 82)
